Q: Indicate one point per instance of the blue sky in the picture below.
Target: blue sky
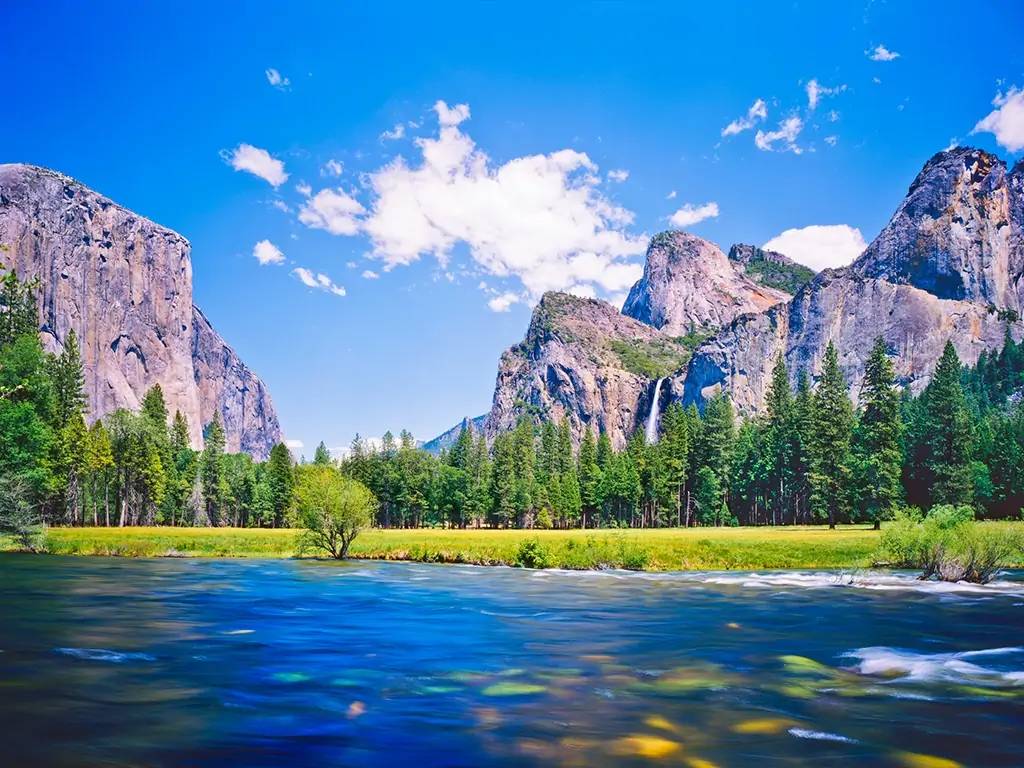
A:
(585, 128)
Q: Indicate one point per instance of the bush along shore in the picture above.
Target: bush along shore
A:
(669, 549)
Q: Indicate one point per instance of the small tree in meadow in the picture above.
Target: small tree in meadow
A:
(330, 508)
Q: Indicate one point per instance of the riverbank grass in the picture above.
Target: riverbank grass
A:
(661, 549)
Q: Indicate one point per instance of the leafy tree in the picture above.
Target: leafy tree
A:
(330, 508)
(18, 312)
(18, 516)
(212, 472)
(99, 466)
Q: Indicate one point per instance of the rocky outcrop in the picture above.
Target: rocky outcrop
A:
(957, 233)
(124, 284)
(584, 361)
(770, 268)
(447, 439)
(689, 283)
(948, 266)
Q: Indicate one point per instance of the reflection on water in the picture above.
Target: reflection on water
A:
(260, 663)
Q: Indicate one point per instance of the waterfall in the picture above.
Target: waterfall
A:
(651, 432)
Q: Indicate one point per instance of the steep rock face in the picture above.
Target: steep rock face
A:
(584, 361)
(946, 267)
(850, 311)
(957, 232)
(125, 285)
(689, 283)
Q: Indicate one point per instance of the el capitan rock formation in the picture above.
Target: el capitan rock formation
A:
(124, 284)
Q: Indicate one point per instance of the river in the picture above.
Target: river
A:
(118, 662)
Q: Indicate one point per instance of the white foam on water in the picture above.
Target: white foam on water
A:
(239, 631)
(937, 667)
(104, 654)
(804, 733)
(883, 582)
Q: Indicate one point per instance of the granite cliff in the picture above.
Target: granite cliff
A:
(124, 284)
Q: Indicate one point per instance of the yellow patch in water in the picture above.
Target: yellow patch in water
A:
(797, 691)
(487, 717)
(698, 762)
(915, 760)
(661, 724)
(597, 658)
(764, 725)
(733, 625)
(356, 709)
(804, 665)
(512, 689)
(644, 745)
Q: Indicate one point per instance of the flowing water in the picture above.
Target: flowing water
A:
(109, 662)
(651, 430)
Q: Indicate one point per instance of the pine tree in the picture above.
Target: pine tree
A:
(674, 450)
(212, 471)
(947, 440)
(589, 474)
(68, 381)
(833, 428)
(322, 456)
(99, 463)
(780, 442)
(876, 445)
(18, 312)
(803, 417)
(280, 480)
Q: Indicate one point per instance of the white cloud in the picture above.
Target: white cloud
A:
(333, 210)
(691, 214)
(318, 280)
(369, 274)
(351, 264)
(277, 80)
(1006, 121)
(540, 218)
(304, 189)
(820, 246)
(758, 111)
(833, 116)
(398, 132)
(281, 205)
(502, 302)
(265, 252)
(831, 140)
(881, 53)
(876, 80)
(671, 195)
(294, 445)
(332, 168)
(816, 90)
(785, 136)
(258, 162)
(618, 175)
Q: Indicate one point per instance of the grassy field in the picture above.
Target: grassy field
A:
(662, 549)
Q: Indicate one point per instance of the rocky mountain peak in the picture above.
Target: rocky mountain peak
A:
(952, 234)
(124, 284)
(688, 283)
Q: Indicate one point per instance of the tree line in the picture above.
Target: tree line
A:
(812, 457)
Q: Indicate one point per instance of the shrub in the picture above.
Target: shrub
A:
(331, 509)
(543, 520)
(532, 554)
(948, 545)
(18, 516)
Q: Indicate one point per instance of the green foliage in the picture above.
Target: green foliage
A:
(948, 545)
(18, 516)
(652, 359)
(532, 554)
(330, 508)
(784, 277)
(830, 446)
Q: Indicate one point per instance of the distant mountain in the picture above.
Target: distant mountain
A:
(125, 285)
(447, 438)
(948, 266)
(771, 269)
